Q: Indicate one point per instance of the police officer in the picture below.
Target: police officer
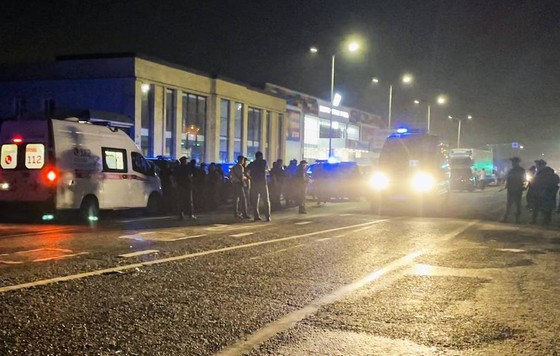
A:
(515, 184)
(183, 178)
(239, 183)
(301, 180)
(545, 185)
(259, 188)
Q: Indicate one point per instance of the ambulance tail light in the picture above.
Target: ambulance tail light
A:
(50, 175)
(17, 139)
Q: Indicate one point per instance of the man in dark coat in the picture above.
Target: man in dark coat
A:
(259, 188)
(545, 186)
(515, 184)
(183, 176)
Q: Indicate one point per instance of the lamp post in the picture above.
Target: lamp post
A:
(460, 119)
(352, 47)
(440, 100)
(406, 79)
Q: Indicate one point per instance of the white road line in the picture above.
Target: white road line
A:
(11, 262)
(187, 237)
(242, 234)
(304, 222)
(176, 258)
(347, 214)
(146, 218)
(60, 257)
(138, 253)
(250, 342)
(327, 238)
(291, 319)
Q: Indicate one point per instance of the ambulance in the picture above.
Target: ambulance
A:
(52, 166)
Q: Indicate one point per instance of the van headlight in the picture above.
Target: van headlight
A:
(423, 182)
(379, 181)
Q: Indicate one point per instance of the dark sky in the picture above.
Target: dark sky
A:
(497, 60)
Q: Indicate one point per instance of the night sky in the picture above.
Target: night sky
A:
(496, 60)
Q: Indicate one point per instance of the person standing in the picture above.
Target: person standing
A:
(545, 185)
(515, 184)
(183, 176)
(259, 189)
(239, 182)
(276, 184)
(301, 180)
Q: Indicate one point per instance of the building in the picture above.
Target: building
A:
(168, 110)
(354, 135)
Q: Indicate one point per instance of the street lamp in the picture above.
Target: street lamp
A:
(440, 100)
(460, 119)
(406, 79)
(352, 47)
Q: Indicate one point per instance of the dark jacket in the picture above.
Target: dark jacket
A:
(545, 186)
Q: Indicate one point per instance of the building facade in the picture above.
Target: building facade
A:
(314, 127)
(166, 109)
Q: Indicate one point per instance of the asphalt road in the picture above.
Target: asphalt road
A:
(337, 281)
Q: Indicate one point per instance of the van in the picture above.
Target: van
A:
(413, 172)
(51, 166)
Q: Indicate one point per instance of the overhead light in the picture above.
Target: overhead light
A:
(337, 99)
(313, 49)
(145, 88)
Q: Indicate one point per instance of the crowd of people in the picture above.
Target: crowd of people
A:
(255, 189)
(541, 184)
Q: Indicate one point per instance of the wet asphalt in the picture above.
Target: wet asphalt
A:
(337, 281)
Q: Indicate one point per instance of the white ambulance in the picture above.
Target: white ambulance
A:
(52, 166)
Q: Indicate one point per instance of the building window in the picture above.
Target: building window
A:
(238, 129)
(353, 133)
(254, 120)
(170, 119)
(147, 119)
(193, 126)
(224, 130)
(325, 129)
(281, 135)
(311, 131)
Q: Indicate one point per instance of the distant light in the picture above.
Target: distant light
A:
(335, 125)
(4, 186)
(145, 88)
(441, 100)
(93, 218)
(407, 79)
(47, 217)
(450, 117)
(337, 99)
(416, 102)
(469, 117)
(374, 80)
(313, 50)
(402, 130)
(333, 160)
(354, 46)
(521, 147)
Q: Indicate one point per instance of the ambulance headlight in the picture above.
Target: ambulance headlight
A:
(423, 182)
(379, 181)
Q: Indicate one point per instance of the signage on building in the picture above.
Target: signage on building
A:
(294, 125)
(335, 112)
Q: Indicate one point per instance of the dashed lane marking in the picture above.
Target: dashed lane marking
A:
(138, 253)
(38, 255)
(347, 214)
(176, 258)
(60, 257)
(151, 218)
(327, 238)
(242, 234)
(304, 222)
(165, 236)
(268, 331)
(277, 251)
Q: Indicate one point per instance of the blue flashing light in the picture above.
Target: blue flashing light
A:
(333, 160)
(402, 130)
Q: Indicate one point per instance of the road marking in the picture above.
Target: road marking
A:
(347, 214)
(277, 251)
(60, 257)
(175, 258)
(146, 218)
(242, 234)
(165, 236)
(304, 222)
(327, 238)
(268, 331)
(291, 319)
(138, 253)
(514, 250)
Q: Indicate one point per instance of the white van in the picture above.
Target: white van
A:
(59, 165)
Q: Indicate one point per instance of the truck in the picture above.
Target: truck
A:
(465, 165)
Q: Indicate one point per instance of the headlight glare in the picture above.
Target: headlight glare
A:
(379, 181)
(423, 182)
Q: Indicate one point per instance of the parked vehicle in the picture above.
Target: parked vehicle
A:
(54, 166)
(476, 160)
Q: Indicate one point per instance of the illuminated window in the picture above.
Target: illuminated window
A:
(114, 160)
